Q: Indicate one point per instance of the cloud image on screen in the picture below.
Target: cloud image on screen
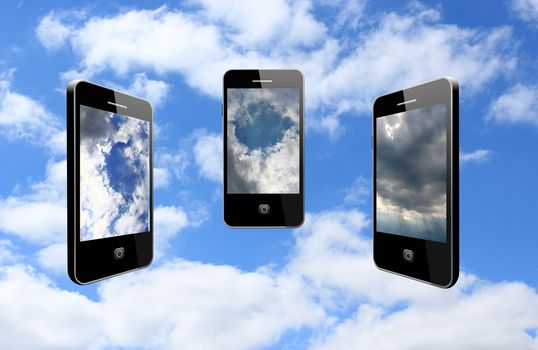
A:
(411, 173)
(263, 140)
(114, 174)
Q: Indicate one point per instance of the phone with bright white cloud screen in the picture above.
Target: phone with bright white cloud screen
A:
(416, 182)
(110, 182)
(263, 148)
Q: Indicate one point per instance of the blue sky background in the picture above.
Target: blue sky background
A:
(310, 288)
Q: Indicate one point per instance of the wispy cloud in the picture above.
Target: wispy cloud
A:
(478, 156)
(527, 10)
(358, 192)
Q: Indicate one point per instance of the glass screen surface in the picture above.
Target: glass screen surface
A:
(263, 141)
(411, 173)
(114, 174)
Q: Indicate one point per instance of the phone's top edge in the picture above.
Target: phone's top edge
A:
(452, 81)
(263, 70)
(73, 84)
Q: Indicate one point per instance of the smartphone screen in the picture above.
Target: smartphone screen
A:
(263, 148)
(114, 174)
(411, 163)
(263, 130)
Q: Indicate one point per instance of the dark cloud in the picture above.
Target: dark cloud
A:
(94, 126)
(411, 168)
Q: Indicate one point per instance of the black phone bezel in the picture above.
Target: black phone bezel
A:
(93, 260)
(242, 210)
(434, 262)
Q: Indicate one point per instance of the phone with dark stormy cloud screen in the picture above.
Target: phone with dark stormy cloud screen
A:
(110, 182)
(263, 148)
(416, 182)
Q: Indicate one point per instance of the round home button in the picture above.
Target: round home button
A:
(408, 255)
(264, 209)
(119, 253)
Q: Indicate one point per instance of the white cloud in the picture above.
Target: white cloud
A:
(169, 166)
(169, 222)
(342, 75)
(53, 258)
(22, 117)
(161, 177)
(208, 154)
(39, 216)
(334, 255)
(519, 104)
(288, 23)
(7, 252)
(527, 10)
(178, 305)
(358, 192)
(272, 165)
(155, 91)
(490, 317)
(330, 288)
(478, 156)
(52, 32)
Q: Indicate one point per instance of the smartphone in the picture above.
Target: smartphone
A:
(416, 182)
(110, 182)
(263, 148)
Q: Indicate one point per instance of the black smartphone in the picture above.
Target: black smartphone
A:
(263, 148)
(416, 182)
(110, 182)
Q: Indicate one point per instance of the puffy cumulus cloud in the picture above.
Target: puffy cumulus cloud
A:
(59, 319)
(208, 154)
(343, 75)
(22, 117)
(288, 23)
(478, 156)
(153, 90)
(178, 305)
(329, 287)
(52, 31)
(333, 254)
(519, 104)
(527, 10)
(477, 320)
(40, 215)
